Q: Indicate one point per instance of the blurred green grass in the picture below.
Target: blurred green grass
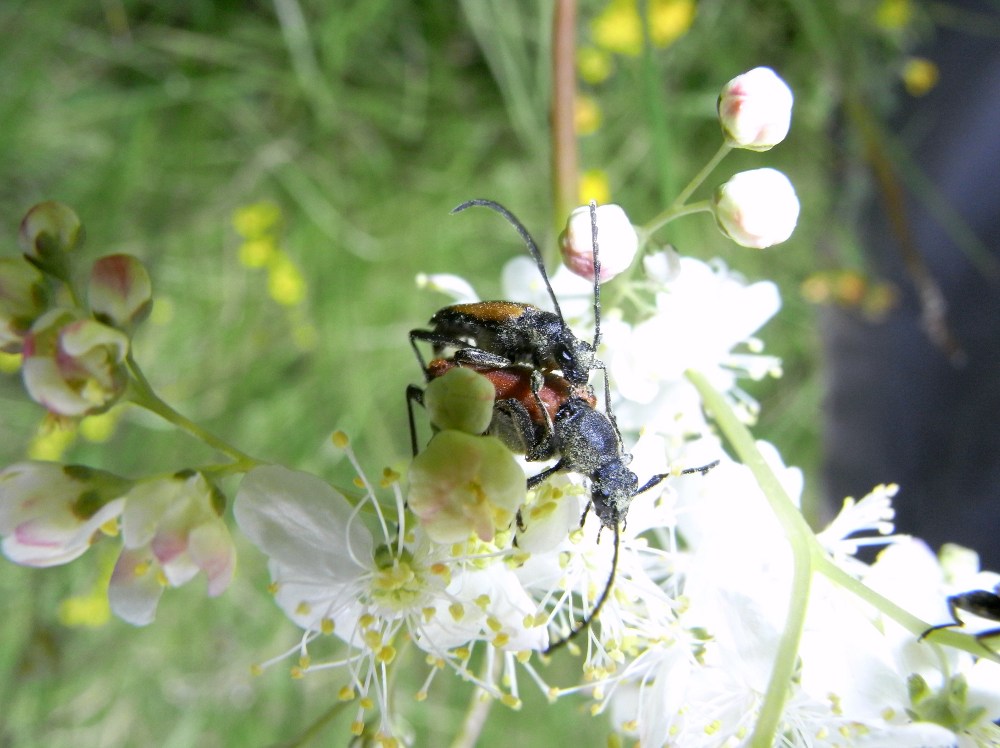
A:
(365, 124)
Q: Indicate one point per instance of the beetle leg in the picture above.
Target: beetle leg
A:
(413, 394)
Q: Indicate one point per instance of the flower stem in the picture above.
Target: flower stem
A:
(564, 150)
(675, 208)
(475, 718)
(798, 534)
(141, 393)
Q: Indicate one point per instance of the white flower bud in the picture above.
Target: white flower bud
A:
(757, 208)
(616, 238)
(72, 366)
(755, 110)
(120, 292)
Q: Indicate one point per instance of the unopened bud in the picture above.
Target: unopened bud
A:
(616, 238)
(757, 208)
(461, 399)
(463, 484)
(755, 110)
(48, 231)
(23, 298)
(120, 292)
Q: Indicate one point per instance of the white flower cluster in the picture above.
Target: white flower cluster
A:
(684, 648)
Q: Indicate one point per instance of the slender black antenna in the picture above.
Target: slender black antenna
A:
(585, 623)
(597, 275)
(532, 247)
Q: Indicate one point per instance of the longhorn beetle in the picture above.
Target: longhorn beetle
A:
(494, 334)
(982, 603)
(547, 416)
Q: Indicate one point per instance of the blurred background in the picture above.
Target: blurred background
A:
(285, 169)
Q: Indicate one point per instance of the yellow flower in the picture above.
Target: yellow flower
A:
(618, 28)
(893, 14)
(256, 253)
(587, 117)
(595, 65)
(594, 186)
(669, 19)
(284, 281)
(257, 219)
(920, 75)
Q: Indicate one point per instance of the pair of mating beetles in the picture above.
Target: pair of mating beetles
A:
(544, 406)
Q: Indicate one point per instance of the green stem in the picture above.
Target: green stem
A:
(798, 534)
(141, 393)
(673, 209)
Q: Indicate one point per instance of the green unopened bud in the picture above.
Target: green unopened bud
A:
(23, 298)
(462, 400)
(463, 484)
(48, 231)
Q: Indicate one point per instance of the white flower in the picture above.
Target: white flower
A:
(616, 238)
(51, 513)
(74, 366)
(172, 530)
(755, 110)
(699, 322)
(757, 208)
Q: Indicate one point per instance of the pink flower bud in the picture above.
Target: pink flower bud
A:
(172, 530)
(50, 513)
(120, 292)
(757, 208)
(616, 238)
(73, 366)
(755, 110)
(23, 298)
(463, 484)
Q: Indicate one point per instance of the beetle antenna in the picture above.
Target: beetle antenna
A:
(585, 623)
(597, 276)
(536, 255)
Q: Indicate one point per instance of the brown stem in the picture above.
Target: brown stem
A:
(564, 151)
